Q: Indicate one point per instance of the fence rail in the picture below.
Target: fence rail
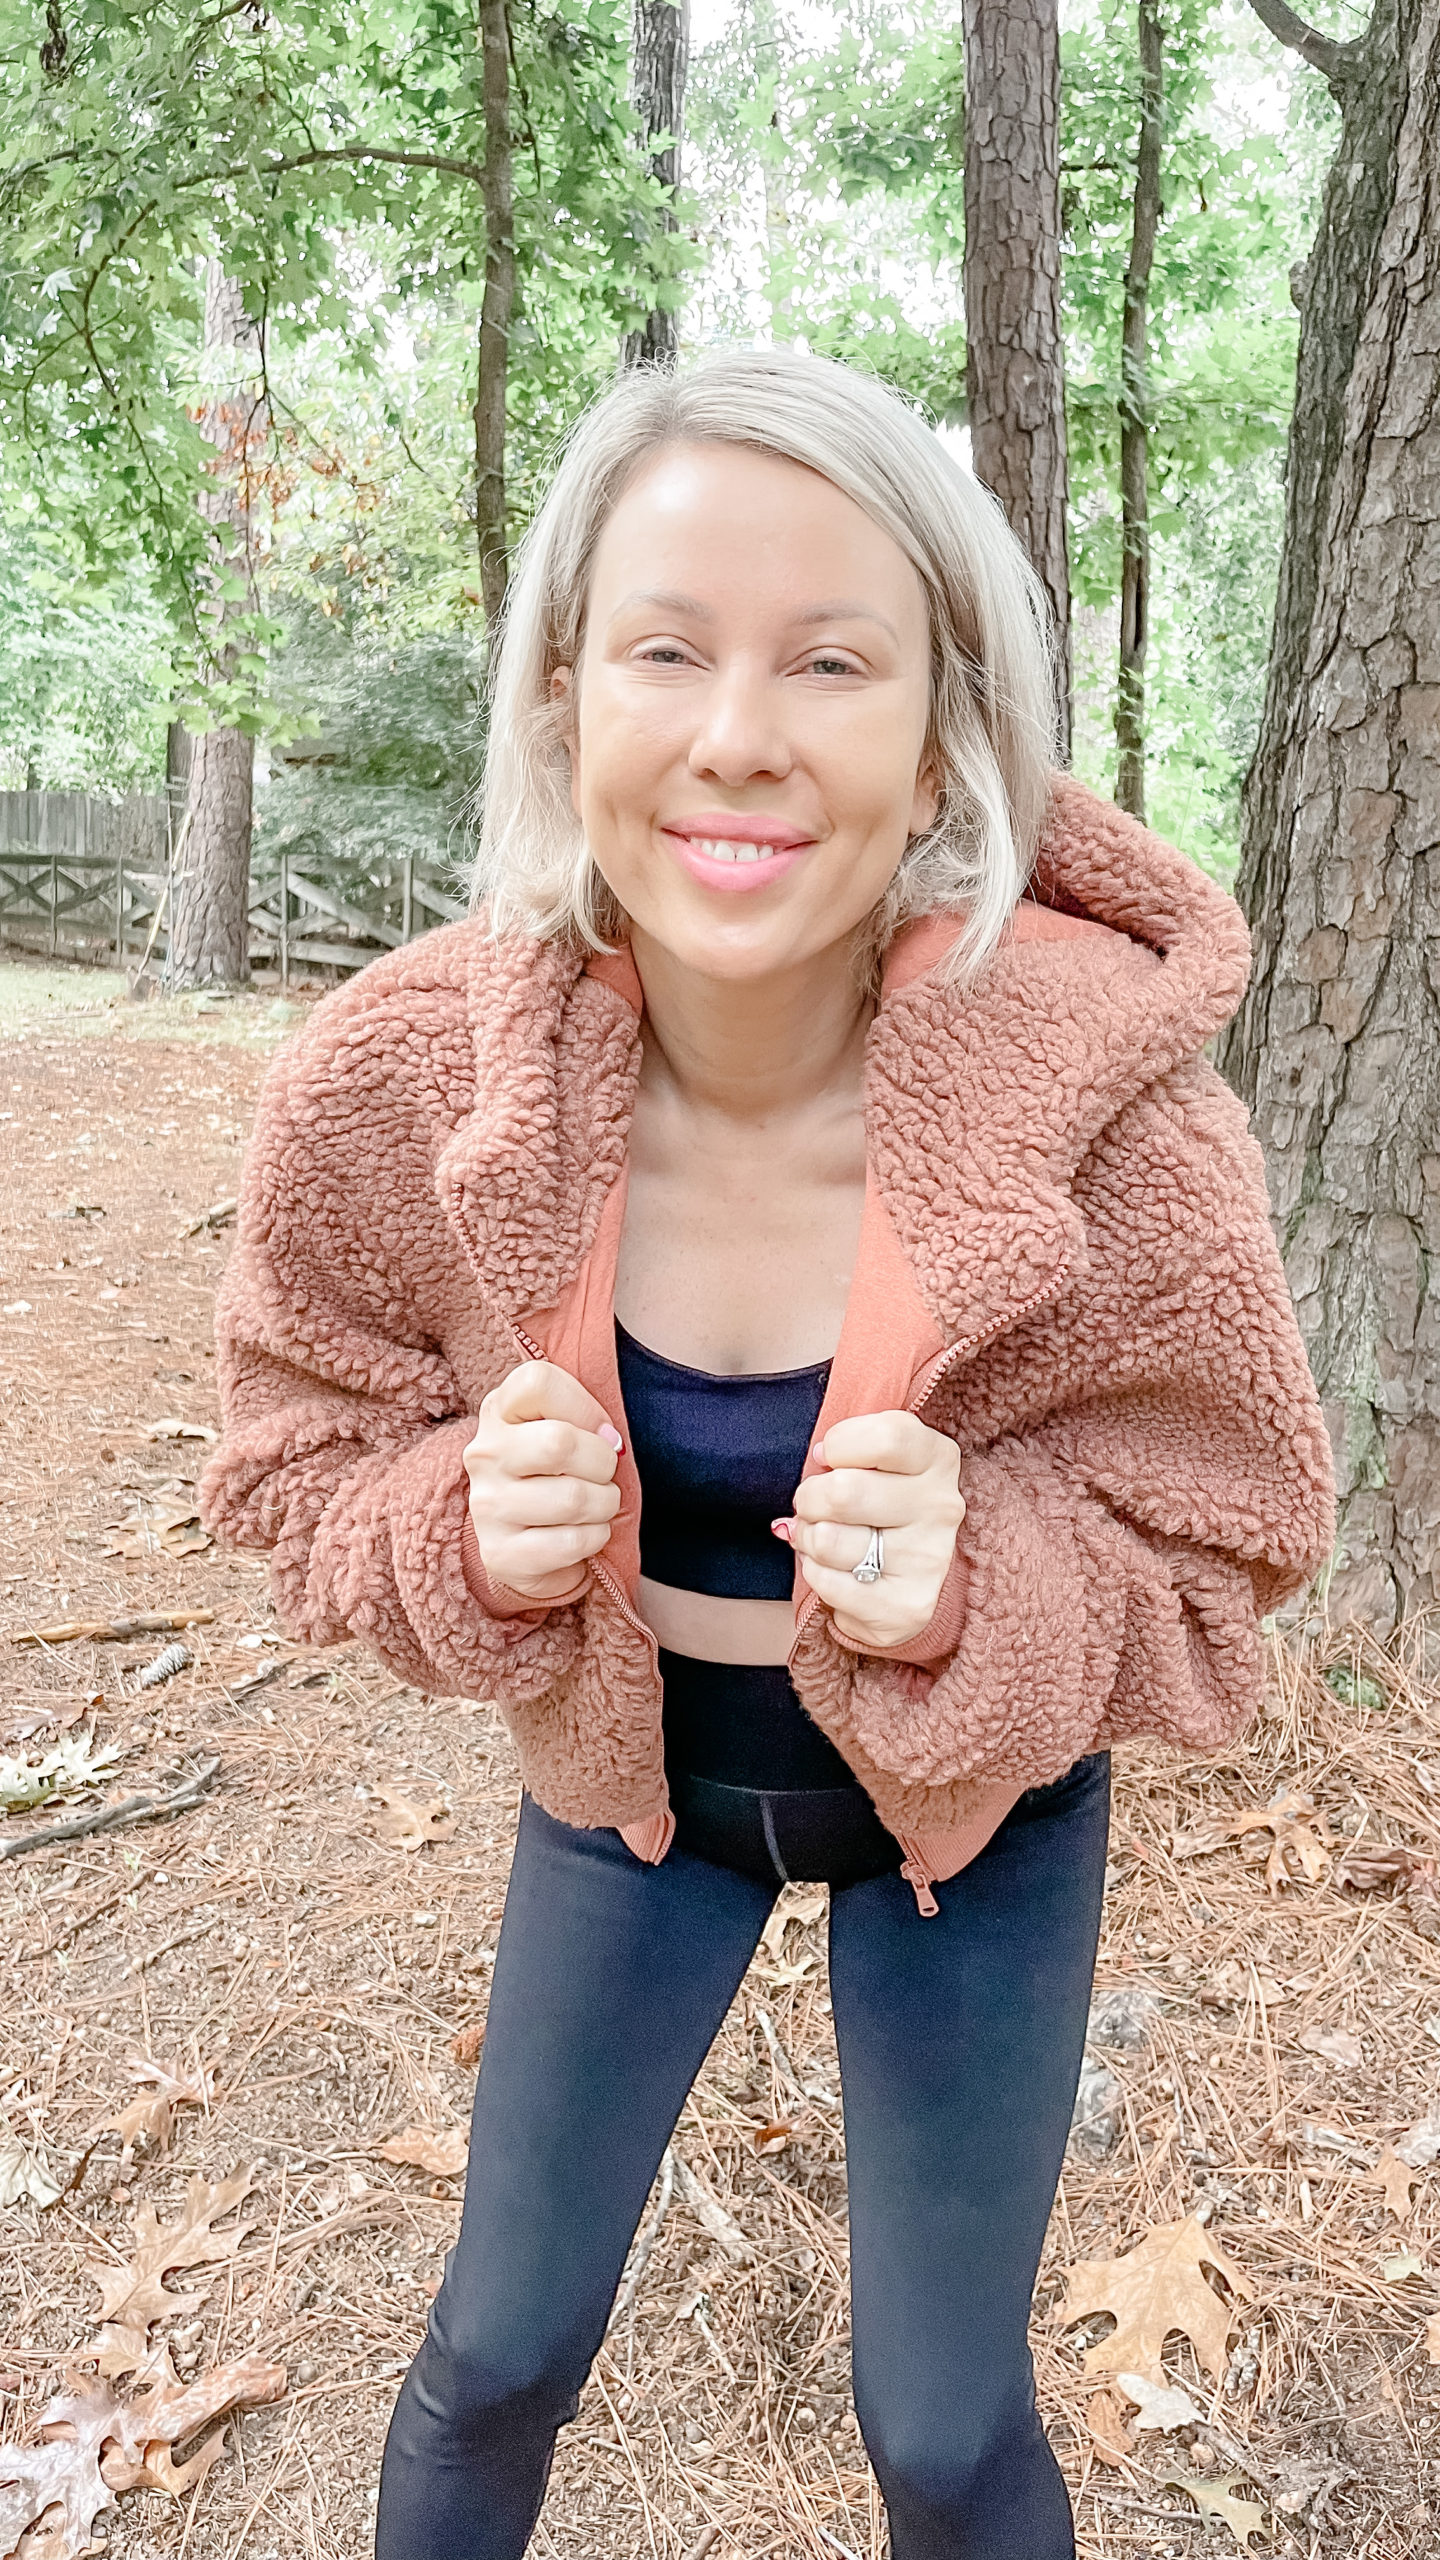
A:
(82, 878)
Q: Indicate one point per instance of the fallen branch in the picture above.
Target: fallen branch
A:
(155, 1622)
(640, 2257)
(110, 1817)
(218, 1215)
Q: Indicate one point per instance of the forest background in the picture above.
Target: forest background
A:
(821, 200)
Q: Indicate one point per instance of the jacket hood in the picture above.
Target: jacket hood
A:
(1118, 965)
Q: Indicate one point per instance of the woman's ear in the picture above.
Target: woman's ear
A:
(925, 805)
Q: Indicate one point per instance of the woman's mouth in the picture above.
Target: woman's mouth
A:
(732, 863)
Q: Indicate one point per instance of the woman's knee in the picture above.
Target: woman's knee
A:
(499, 2371)
(951, 2462)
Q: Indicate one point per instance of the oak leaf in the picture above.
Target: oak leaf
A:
(1302, 1840)
(134, 2295)
(1396, 2180)
(1109, 2433)
(406, 1824)
(443, 2151)
(1221, 2498)
(1153, 2290)
(150, 2114)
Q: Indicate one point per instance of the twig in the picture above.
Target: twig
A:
(110, 1817)
(218, 1215)
(142, 1963)
(155, 1622)
(710, 2213)
(646, 2242)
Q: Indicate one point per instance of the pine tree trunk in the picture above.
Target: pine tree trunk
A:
(1015, 371)
(1337, 1047)
(1135, 426)
(657, 89)
(209, 921)
(496, 310)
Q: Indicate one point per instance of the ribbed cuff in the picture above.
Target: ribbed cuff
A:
(935, 1642)
(496, 1598)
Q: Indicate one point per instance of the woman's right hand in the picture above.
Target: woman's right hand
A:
(542, 1488)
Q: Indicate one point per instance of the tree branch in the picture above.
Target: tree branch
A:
(1336, 63)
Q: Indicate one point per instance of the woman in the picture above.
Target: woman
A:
(812, 1138)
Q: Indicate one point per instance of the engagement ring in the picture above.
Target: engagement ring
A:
(872, 1563)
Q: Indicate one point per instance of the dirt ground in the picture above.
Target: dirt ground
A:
(306, 1988)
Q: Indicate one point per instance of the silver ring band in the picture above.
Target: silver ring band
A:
(872, 1563)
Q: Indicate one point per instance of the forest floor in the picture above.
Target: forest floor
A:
(217, 2023)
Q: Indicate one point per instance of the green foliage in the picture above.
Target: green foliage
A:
(84, 664)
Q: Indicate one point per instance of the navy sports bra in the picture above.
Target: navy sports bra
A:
(719, 1459)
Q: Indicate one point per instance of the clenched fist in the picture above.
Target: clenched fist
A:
(542, 1481)
(885, 1471)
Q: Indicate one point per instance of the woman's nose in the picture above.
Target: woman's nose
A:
(741, 732)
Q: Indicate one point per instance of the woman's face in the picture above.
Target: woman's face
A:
(748, 744)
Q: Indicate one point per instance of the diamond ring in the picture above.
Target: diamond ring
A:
(872, 1563)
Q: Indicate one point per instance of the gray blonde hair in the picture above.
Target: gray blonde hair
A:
(992, 701)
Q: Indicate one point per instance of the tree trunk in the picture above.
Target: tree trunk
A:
(1015, 365)
(210, 900)
(1135, 426)
(1337, 1046)
(496, 310)
(657, 90)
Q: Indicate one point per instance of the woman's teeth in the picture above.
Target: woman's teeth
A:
(729, 849)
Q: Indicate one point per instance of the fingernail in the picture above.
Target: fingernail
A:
(818, 1453)
(782, 1529)
(611, 1437)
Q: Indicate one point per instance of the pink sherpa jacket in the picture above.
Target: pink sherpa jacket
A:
(1066, 1263)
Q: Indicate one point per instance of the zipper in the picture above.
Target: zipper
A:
(913, 1866)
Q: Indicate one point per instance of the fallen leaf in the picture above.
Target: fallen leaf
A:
(168, 2412)
(773, 2137)
(403, 1823)
(1399, 2269)
(1221, 2498)
(1200, 1841)
(465, 2047)
(1396, 2179)
(150, 2115)
(1153, 2290)
(1099, 2103)
(92, 2445)
(133, 2295)
(24, 2172)
(1165, 2409)
(62, 2470)
(1302, 1837)
(1421, 2144)
(442, 2151)
(165, 1521)
(70, 1769)
(1336, 2044)
(803, 1904)
(1368, 1869)
(1108, 2431)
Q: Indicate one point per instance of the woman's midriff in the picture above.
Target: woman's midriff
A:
(711, 1629)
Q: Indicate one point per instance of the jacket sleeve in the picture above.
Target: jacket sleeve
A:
(1170, 1485)
(344, 1427)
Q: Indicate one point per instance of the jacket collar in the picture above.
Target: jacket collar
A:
(980, 1103)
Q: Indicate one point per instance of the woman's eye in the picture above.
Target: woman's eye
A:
(827, 666)
(663, 655)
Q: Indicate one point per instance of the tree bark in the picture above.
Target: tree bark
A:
(1015, 364)
(1135, 425)
(497, 308)
(657, 89)
(210, 898)
(1337, 1045)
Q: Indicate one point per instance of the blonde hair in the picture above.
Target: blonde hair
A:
(992, 704)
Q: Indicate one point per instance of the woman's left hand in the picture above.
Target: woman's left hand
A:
(885, 1471)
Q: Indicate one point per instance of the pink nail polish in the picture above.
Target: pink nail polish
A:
(782, 1529)
(611, 1437)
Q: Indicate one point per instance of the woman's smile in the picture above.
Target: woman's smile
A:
(736, 853)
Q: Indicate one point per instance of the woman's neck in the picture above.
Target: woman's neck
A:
(752, 1049)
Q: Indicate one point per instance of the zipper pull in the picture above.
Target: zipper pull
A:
(920, 1885)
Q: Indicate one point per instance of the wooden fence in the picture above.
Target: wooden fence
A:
(87, 879)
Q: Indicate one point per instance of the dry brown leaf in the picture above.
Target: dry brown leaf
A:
(133, 2295)
(465, 2047)
(1109, 2433)
(62, 2470)
(1303, 1839)
(773, 2137)
(1368, 1868)
(1335, 2044)
(1221, 2498)
(404, 1823)
(150, 2115)
(165, 1521)
(1396, 2179)
(1153, 2290)
(169, 2412)
(443, 2151)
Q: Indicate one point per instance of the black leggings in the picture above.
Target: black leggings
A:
(960, 2040)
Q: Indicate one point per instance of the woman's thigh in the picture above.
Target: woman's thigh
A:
(960, 2042)
(611, 1981)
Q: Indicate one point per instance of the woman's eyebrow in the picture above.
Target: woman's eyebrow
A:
(838, 608)
(847, 608)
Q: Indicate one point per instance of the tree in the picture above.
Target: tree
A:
(1135, 424)
(1015, 370)
(498, 192)
(1337, 1046)
(660, 59)
(210, 891)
